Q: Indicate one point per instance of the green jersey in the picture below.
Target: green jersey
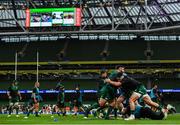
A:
(14, 90)
(61, 96)
(101, 83)
(109, 91)
(114, 76)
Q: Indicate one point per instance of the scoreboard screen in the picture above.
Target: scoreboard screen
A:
(48, 17)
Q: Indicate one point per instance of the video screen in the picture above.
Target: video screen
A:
(46, 17)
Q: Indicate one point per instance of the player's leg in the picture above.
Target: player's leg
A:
(30, 109)
(103, 97)
(58, 109)
(36, 108)
(101, 104)
(148, 101)
(115, 110)
(63, 109)
(111, 96)
(16, 106)
(76, 107)
(139, 92)
(111, 106)
(54, 111)
(10, 108)
(119, 102)
(132, 101)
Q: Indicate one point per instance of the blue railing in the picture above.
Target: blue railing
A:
(85, 91)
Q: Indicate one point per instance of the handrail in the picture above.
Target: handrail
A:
(93, 62)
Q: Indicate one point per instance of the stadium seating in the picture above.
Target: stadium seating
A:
(89, 50)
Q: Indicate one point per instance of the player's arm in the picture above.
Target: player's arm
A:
(34, 97)
(8, 94)
(156, 93)
(113, 82)
(19, 94)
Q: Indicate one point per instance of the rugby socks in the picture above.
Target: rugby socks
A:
(100, 108)
(115, 112)
(28, 113)
(110, 108)
(36, 113)
(64, 113)
(159, 108)
(17, 111)
(94, 106)
(10, 110)
(132, 112)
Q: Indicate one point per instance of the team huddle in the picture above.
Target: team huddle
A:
(117, 93)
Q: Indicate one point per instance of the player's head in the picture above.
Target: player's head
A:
(15, 82)
(103, 73)
(59, 86)
(77, 87)
(155, 86)
(120, 68)
(37, 84)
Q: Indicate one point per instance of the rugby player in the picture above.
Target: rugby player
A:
(61, 98)
(133, 90)
(34, 101)
(14, 97)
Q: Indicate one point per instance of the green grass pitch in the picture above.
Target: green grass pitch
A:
(46, 119)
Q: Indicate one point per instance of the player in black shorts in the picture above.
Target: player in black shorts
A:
(14, 97)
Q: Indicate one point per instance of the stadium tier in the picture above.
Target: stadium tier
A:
(89, 50)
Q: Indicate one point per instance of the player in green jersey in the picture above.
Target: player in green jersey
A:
(14, 98)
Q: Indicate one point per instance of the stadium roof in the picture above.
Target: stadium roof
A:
(98, 15)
